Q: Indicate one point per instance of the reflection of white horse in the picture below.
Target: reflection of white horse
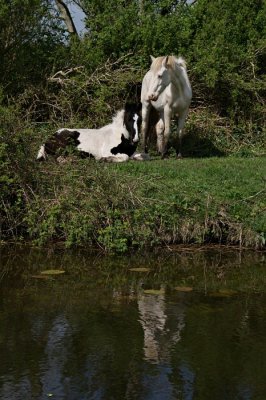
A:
(167, 88)
(114, 142)
(158, 339)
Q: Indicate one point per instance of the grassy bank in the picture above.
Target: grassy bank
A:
(197, 200)
(140, 204)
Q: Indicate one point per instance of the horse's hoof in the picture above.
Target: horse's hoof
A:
(179, 156)
(62, 160)
(141, 157)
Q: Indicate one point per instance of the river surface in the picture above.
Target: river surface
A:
(180, 325)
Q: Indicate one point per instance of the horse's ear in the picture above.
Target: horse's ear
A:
(128, 107)
(165, 62)
(133, 107)
(152, 58)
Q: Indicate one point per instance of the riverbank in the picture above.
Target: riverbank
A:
(118, 207)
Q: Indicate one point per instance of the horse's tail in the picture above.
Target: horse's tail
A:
(42, 155)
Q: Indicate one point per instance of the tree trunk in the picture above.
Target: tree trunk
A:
(66, 16)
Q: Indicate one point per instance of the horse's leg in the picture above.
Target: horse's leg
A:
(146, 107)
(159, 133)
(180, 132)
(166, 133)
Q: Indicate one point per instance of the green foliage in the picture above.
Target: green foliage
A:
(29, 38)
(223, 42)
(18, 175)
(229, 53)
(117, 207)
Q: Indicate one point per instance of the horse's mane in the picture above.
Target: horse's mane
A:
(118, 119)
(173, 62)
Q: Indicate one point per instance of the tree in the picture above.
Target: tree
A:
(29, 38)
(66, 16)
(228, 52)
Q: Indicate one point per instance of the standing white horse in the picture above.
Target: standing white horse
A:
(115, 142)
(166, 87)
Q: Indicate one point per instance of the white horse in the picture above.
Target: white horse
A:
(115, 142)
(166, 87)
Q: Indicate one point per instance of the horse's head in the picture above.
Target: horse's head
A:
(132, 121)
(159, 77)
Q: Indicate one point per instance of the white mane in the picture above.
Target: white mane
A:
(118, 126)
(118, 119)
(181, 62)
(172, 62)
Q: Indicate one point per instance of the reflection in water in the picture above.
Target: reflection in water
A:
(158, 341)
(55, 356)
(152, 319)
(15, 389)
(95, 333)
(158, 338)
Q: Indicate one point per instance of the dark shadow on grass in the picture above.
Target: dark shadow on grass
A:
(194, 145)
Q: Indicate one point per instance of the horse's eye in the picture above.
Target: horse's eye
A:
(160, 76)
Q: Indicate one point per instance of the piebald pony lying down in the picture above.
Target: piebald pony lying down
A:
(116, 142)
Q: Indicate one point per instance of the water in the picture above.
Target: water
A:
(191, 327)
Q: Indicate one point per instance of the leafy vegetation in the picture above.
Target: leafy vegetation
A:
(49, 78)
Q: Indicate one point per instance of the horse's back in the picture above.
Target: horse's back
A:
(95, 141)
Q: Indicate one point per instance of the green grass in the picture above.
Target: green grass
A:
(161, 202)
(233, 188)
(117, 207)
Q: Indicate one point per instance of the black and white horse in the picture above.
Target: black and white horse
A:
(114, 142)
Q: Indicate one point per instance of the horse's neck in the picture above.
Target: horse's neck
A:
(118, 119)
(118, 126)
(181, 82)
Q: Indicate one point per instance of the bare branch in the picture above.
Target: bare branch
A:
(66, 16)
(80, 5)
